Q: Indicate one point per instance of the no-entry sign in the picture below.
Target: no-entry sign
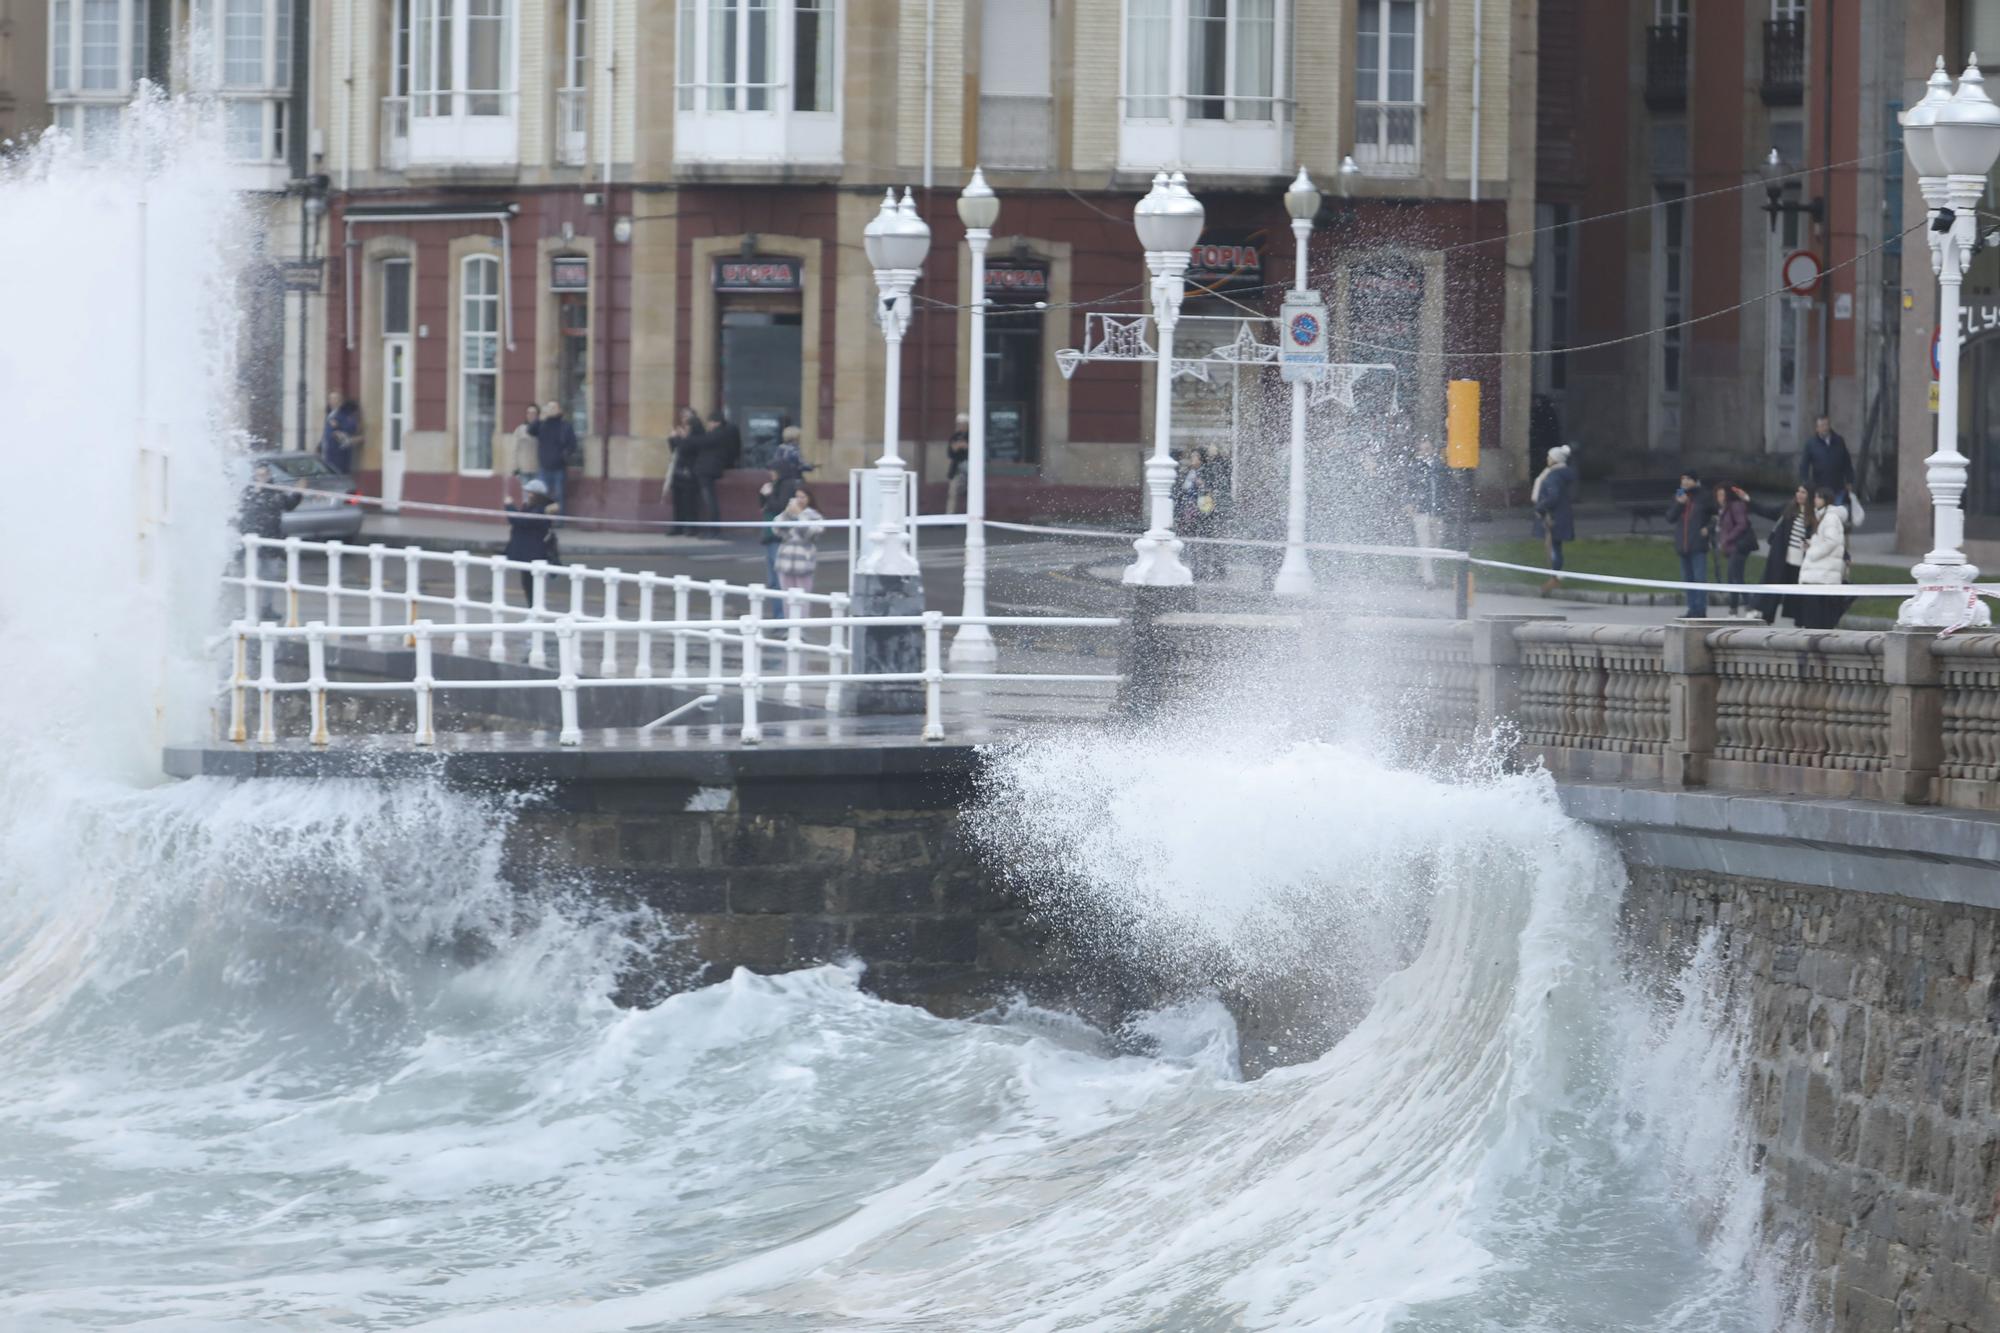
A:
(1800, 272)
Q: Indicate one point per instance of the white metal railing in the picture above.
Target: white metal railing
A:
(395, 146)
(1388, 137)
(572, 126)
(393, 597)
(748, 633)
(1016, 131)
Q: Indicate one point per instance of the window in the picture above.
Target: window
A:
(1789, 11)
(244, 49)
(1228, 66)
(1555, 279)
(757, 80)
(461, 57)
(570, 281)
(396, 302)
(1388, 86)
(1670, 275)
(573, 98)
(1015, 129)
(478, 361)
(1670, 11)
(576, 44)
(97, 53)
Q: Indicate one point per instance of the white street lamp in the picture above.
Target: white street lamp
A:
(1953, 142)
(1295, 572)
(897, 242)
(972, 646)
(1168, 221)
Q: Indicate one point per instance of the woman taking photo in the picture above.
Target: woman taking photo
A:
(1787, 550)
(1824, 565)
(798, 527)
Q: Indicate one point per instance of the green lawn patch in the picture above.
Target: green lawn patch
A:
(1643, 558)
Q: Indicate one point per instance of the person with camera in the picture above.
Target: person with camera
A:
(1693, 517)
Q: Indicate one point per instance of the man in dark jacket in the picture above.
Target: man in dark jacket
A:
(1824, 462)
(262, 514)
(720, 448)
(1693, 515)
(555, 449)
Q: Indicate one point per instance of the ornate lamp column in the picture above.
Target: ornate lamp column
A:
(1295, 573)
(973, 646)
(1168, 221)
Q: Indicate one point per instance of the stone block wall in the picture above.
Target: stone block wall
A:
(1875, 1097)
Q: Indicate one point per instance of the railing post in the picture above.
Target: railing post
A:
(316, 680)
(461, 601)
(681, 594)
(648, 585)
(609, 665)
(567, 652)
(291, 582)
(718, 611)
(1496, 664)
(334, 551)
(753, 669)
(1689, 663)
(1916, 716)
(794, 635)
(413, 585)
(426, 734)
(579, 609)
(933, 676)
(838, 658)
(267, 684)
(239, 680)
(252, 577)
(496, 601)
(375, 554)
(538, 612)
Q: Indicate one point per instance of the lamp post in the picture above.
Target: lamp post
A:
(897, 242)
(1168, 221)
(1952, 140)
(1295, 572)
(973, 646)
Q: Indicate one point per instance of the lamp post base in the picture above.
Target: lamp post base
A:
(888, 650)
(973, 647)
(1945, 600)
(1159, 563)
(1295, 576)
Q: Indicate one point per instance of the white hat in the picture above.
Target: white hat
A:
(1559, 455)
(534, 486)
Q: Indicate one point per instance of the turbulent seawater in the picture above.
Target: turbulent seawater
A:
(307, 1056)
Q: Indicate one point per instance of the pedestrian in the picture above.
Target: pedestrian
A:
(798, 549)
(1787, 549)
(261, 513)
(681, 489)
(1194, 511)
(531, 531)
(1693, 515)
(527, 452)
(1825, 564)
(1554, 498)
(1430, 489)
(957, 450)
(556, 452)
(787, 472)
(721, 446)
(1824, 462)
(340, 437)
(1735, 537)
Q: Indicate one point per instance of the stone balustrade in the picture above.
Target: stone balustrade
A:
(1898, 716)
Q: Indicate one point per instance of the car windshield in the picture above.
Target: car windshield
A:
(295, 466)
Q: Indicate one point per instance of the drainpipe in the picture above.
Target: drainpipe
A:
(930, 87)
(347, 104)
(1826, 225)
(1478, 54)
(607, 245)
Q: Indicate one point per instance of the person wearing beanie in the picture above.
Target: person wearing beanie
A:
(1554, 497)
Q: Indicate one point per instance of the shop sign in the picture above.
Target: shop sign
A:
(1017, 282)
(1302, 336)
(759, 275)
(301, 275)
(1226, 262)
(1974, 321)
(569, 273)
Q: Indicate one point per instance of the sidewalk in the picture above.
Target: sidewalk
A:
(442, 532)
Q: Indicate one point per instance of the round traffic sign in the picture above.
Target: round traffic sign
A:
(1800, 272)
(1305, 329)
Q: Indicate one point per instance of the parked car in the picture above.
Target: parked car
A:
(329, 510)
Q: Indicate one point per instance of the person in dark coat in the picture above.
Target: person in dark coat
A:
(556, 449)
(1195, 509)
(1825, 463)
(1554, 500)
(1787, 545)
(681, 489)
(262, 514)
(788, 470)
(1735, 536)
(531, 531)
(341, 434)
(1693, 517)
(957, 455)
(721, 446)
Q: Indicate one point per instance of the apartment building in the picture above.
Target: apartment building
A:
(1662, 118)
(631, 205)
(23, 67)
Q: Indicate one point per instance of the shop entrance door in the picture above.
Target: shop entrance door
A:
(760, 378)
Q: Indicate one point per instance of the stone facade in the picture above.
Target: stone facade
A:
(1874, 1089)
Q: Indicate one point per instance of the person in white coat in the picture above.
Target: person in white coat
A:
(1825, 564)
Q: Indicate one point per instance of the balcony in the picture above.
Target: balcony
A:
(1667, 67)
(1215, 136)
(395, 147)
(1015, 132)
(1784, 62)
(572, 126)
(772, 136)
(1388, 138)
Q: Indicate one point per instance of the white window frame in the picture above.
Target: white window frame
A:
(1789, 10)
(1555, 296)
(447, 121)
(573, 94)
(713, 121)
(1671, 11)
(86, 112)
(1253, 144)
(1378, 149)
(268, 95)
(472, 364)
